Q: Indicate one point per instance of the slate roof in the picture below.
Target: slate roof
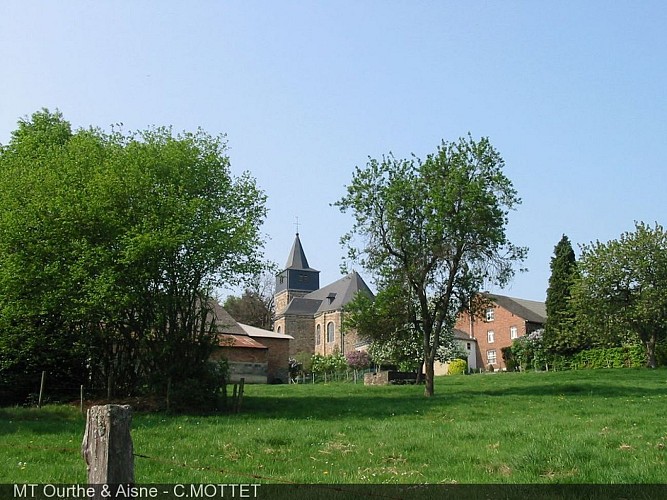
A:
(460, 334)
(332, 297)
(336, 295)
(303, 307)
(530, 310)
(297, 257)
(224, 321)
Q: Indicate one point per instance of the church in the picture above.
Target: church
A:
(313, 316)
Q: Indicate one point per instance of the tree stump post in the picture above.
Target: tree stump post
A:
(107, 445)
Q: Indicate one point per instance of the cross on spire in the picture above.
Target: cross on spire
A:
(297, 224)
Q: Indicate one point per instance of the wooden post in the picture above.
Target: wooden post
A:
(107, 445)
(169, 394)
(41, 390)
(82, 399)
(239, 396)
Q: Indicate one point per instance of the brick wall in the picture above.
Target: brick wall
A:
(278, 368)
(501, 325)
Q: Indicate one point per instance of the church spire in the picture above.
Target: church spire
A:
(297, 276)
(297, 257)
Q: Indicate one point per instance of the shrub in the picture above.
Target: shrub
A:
(200, 391)
(358, 360)
(457, 367)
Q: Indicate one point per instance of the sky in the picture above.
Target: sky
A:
(572, 94)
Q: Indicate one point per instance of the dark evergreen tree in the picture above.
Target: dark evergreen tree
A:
(559, 334)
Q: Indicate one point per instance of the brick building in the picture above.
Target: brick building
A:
(509, 318)
(314, 315)
(257, 355)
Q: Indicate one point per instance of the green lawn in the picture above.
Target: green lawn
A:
(604, 426)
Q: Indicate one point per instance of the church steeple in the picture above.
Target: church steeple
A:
(297, 276)
(297, 257)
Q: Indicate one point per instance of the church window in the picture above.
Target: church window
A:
(330, 331)
(318, 335)
(279, 330)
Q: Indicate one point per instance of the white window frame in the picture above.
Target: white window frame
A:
(514, 332)
(490, 314)
(490, 336)
(491, 357)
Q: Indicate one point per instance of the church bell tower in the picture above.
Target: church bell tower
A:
(297, 279)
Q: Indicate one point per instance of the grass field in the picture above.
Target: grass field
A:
(604, 426)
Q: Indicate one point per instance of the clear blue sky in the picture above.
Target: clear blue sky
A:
(573, 94)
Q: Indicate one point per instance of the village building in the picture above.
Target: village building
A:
(314, 316)
(258, 356)
(506, 320)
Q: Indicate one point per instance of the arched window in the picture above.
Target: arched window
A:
(280, 330)
(318, 335)
(330, 331)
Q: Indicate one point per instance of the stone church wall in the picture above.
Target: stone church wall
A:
(302, 328)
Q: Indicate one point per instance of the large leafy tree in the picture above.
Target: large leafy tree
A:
(111, 245)
(255, 306)
(436, 226)
(620, 293)
(560, 334)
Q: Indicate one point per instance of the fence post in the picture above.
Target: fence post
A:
(239, 399)
(41, 390)
(107, 445)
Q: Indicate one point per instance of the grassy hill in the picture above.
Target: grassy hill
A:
(602, 426)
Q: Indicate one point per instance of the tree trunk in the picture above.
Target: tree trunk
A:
(650, 351)
(429, 385)
(107, 445)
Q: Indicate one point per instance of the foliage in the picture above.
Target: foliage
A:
(255, 307)
(621, 289)
(304, 361)
(250, 309)
(294, 367)
(111, 246)
(200, 390)
(433, 229)
(331, 363)
(559, 332)
(457, 366)
(511, 363)
(528, 352)
(627, 356)
(358, 360)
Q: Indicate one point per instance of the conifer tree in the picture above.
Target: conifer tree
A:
(559, 326)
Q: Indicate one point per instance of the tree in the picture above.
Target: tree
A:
(255, 307)
(559, 334)
(620, 293)
(437, 227)
(112, 243)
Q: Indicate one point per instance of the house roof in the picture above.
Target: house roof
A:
(224, 321)
(297, 257)
(460, 334)
(339, 293)
(239, 341)
(530, 310)
(253, 331)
